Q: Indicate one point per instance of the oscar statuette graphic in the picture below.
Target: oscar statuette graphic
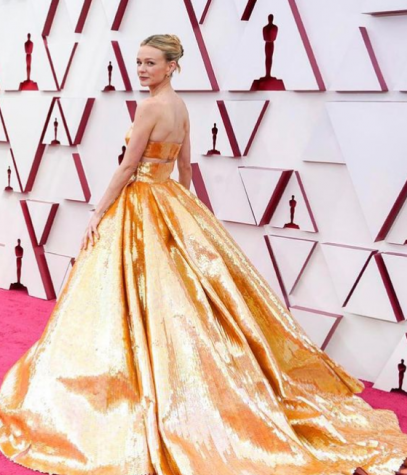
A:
(55, 141)
(28, 84)
(109, 87)
(19, 252)
(8, 187)
(291, 224)
(121, 156)
(401, 369)
(214, 135)
(269, 82)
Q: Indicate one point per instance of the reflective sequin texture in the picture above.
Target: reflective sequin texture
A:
(167, 353)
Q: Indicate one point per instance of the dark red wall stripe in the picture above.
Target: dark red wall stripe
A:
(229, 129)
(388, 285)
(373, 58)
(50, 17)
(199, 186)
(256, 127)
(122, 66)
(83, 15)
(201, 45)
(121, 9)
(307, 45)
(82, 176)
(39, 254)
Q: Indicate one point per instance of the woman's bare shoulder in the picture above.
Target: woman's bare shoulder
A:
(149, 102)
(184, 109)
(182, 102)
(148, 107)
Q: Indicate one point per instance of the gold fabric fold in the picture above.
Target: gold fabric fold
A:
(167, 353)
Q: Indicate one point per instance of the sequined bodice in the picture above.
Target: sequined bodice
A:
(156, 172)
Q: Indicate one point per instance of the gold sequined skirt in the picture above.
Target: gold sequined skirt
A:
(167, 353)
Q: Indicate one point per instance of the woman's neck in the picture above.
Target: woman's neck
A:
(159, 88)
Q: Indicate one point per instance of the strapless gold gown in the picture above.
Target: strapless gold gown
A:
(167, 353)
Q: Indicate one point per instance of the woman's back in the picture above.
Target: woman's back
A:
(172, 122)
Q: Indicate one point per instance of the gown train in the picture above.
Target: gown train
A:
(168, 353)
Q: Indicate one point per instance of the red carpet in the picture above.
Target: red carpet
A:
(23, 319)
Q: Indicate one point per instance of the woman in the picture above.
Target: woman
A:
(167, 353)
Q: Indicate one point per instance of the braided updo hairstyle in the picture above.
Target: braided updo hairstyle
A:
(170, 45)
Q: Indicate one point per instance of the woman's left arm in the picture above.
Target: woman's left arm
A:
(144, 122)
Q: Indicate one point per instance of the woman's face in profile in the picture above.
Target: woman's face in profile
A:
(151, 65)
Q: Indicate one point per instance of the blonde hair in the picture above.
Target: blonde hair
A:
(170, 45)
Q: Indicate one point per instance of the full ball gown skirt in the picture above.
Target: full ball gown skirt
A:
(167, 353)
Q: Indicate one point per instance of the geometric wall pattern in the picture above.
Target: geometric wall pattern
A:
(310, 170)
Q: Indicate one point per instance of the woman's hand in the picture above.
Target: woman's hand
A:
(91, 231)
